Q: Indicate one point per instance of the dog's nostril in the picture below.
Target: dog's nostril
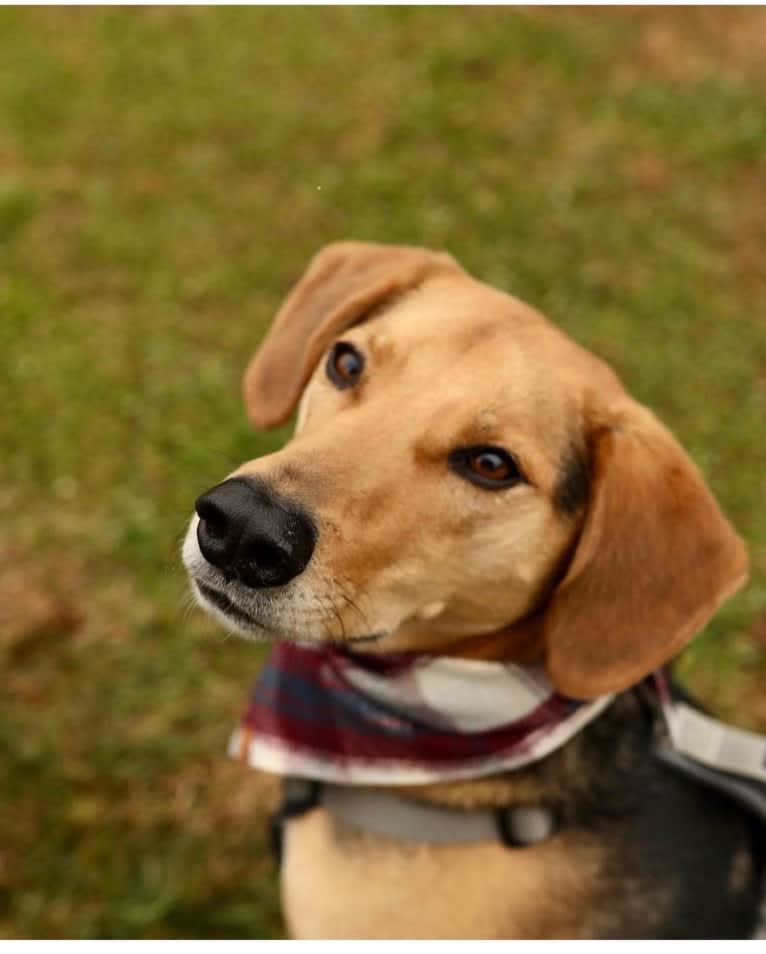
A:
(216, 528)
(216, 524)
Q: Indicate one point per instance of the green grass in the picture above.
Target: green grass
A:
(164, 175)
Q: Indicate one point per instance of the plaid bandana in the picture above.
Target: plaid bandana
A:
(329, 714)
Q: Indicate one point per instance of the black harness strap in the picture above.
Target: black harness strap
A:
(746, 793)
(299, 795)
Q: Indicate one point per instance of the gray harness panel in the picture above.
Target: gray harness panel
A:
(390, 815)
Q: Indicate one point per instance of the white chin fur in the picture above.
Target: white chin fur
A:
(233, 626)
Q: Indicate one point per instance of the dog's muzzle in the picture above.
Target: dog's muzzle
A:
(252, 534)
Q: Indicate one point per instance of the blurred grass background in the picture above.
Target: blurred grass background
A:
(165, 174)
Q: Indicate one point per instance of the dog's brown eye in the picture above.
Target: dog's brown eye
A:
(490, 467)
(344, 365)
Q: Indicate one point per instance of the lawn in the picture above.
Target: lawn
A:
(165, 174)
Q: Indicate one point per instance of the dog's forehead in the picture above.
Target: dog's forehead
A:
(482, 346)
(465, 364)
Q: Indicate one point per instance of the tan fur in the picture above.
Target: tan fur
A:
(653, 534)
(342, 883)
(604, 589)
(408, 549)
(344, 282)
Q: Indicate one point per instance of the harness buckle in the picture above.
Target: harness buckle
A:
(522, 825)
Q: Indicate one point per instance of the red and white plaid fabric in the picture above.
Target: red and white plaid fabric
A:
(333, 715)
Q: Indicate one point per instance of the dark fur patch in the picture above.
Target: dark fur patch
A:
(667, 845)
(573, 486)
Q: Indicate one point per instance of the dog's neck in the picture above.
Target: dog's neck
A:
(520, 642)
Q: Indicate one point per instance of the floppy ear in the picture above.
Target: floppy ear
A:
(655, 559)
(342, 284)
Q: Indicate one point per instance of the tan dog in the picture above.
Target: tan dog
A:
(466, 480)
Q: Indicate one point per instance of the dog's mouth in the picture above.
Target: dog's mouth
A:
(365, 638)
(227, 605)
(221, 601)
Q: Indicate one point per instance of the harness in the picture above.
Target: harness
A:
(718, 756)
(385, 813)
(722, 758)
(337, 724)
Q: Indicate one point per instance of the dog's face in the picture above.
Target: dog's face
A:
(435, 450)
(459, 468)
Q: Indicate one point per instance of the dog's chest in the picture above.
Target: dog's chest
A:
(338, 882)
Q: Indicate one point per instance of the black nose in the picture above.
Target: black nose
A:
(251, 533)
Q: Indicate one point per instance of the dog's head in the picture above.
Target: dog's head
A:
(460, 469)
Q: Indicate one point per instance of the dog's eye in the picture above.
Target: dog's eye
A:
(344, 365)
(490, 467)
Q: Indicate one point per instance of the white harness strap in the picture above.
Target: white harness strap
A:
(722, 757)
(717, 745)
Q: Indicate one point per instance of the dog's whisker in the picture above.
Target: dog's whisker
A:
(355, 606)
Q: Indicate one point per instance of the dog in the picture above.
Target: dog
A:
(467, 482)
